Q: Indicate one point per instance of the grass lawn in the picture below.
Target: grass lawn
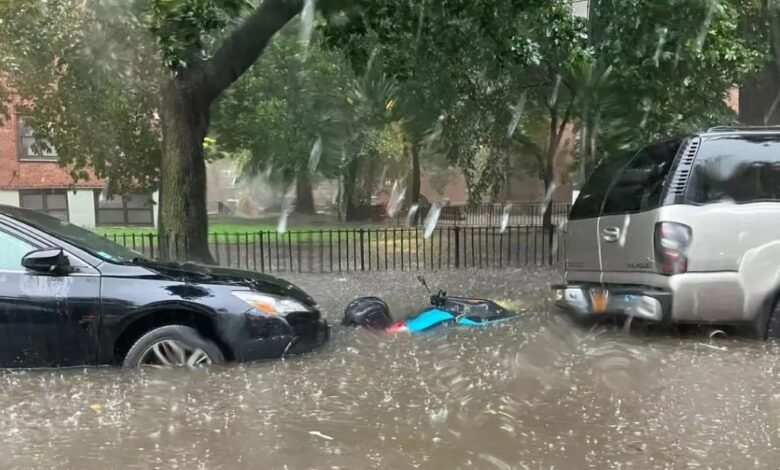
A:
(219, 228)
(231, 226)
(224, 233)
(237, 232)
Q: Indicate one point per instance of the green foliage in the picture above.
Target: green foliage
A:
(453, 61)
(296, 98)
(673, 63)
(277, 111)
(444, 75)
(182, 26)
(88, 79)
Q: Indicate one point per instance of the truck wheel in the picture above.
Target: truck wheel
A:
(772, 324)
(172, 346)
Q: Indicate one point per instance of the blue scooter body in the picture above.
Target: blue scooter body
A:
(458, 311)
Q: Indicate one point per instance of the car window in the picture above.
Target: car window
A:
(12, 252)
(736, 169)
(640, 184)
(591, 198)
(85, 239)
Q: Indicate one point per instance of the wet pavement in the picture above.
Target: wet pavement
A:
(535, 393)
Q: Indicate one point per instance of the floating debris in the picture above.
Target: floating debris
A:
(319, 434)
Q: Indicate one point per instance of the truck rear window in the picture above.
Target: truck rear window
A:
(640, 184)
(619, 188)
(591, 198)
(736, 168)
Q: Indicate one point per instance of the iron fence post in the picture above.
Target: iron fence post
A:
(457, 247)
(362, 252)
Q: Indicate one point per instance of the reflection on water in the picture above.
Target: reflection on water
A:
(535, 393)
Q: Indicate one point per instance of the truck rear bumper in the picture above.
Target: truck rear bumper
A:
(592, 300)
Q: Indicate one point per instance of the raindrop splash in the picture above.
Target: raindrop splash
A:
(396, 199)
(646, 105)
(321, 435)
(432, 219)
(412, 212)
(517, 114)
(420, 22)
(307, 22)
(548, 197)
(660, 47)
(505, 217)
(626, 223)
(705, 27)
(677, 56)
(554, 96)
(314, 156)
(282, 226)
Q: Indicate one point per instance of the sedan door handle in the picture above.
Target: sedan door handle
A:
(610, 234)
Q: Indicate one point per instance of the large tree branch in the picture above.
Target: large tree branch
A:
(245, 44)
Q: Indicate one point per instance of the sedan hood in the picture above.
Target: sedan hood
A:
(203, 274)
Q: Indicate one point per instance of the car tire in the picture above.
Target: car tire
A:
(178, 345)
(772, 328)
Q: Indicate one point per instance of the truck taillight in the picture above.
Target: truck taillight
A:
(672, 241)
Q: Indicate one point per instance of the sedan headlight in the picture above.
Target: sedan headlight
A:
(271, 304)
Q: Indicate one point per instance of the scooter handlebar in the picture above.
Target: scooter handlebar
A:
(439, 299)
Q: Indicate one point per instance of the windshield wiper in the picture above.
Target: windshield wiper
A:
(140, 261)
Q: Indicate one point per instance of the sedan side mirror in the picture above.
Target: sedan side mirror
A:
(47, 261)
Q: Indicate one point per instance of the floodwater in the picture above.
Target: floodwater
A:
(536, 393)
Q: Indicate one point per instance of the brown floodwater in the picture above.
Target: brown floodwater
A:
(534, 393)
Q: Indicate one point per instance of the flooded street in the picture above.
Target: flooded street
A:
(535, 393)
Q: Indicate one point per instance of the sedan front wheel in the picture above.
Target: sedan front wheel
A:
(172, 346)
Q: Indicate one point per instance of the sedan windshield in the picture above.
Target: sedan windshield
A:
(82, 238)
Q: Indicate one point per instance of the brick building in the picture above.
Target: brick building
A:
(32, 178)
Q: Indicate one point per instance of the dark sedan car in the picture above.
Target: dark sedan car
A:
(71, 297)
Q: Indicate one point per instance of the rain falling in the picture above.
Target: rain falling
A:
(379, 234)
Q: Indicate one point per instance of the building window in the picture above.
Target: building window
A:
(133, 209)
(580, 8)
(29, 148)
(49, 201)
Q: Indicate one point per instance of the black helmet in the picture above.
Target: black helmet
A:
(368, 312)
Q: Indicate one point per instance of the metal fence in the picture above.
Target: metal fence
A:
(384, 249)
(516, 214)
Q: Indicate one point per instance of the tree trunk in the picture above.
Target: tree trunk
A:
(547, 215)
(416, 173)
(548, 174)
(183, 216)
(414, 182)
(350, 187)
(757, 96)
(547, 225)
(185, 120)
(304, 199)
(340, 199)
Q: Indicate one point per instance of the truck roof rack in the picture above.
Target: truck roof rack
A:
(742, 127)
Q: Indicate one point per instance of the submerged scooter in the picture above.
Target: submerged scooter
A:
(374, 314)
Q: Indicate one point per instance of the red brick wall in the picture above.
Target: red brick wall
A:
(31, 175)
(455, 190)
(733, 99)
(521, 186)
